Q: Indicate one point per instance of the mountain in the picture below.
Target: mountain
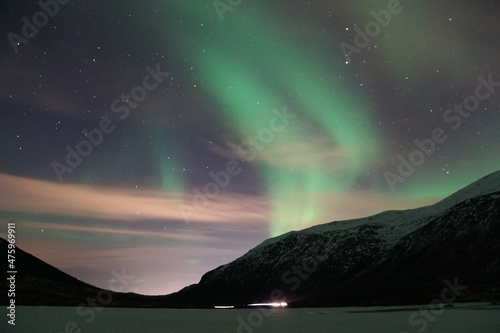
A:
(40, 280)
(38, 283)
(396, 257)
(448, 251)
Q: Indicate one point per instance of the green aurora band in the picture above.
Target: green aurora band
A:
(251, 69)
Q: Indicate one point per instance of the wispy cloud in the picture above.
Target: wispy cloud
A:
(25, 195)
(294, 154)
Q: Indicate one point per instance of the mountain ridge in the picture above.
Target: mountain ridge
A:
(391, 258)
(382, 234)
(485, 185)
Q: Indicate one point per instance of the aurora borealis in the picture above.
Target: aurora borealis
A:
(261, 126)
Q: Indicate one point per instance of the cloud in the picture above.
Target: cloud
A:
(19, 194)
(298, 154)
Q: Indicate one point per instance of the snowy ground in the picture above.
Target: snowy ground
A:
(475, 318)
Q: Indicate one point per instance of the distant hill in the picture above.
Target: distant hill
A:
(393, 258)
(38, 283)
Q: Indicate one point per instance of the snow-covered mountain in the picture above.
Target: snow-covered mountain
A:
(390, 258)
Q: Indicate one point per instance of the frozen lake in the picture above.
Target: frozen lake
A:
(474, 318)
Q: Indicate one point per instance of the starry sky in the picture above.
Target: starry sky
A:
(166, 138)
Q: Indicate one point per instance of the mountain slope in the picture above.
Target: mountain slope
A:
(38, 283)
(394, 257)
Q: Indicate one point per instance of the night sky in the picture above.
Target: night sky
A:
(166, 138)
